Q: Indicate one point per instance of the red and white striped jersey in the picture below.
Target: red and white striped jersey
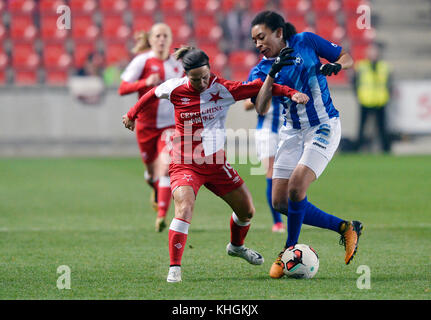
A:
(200, 116)
(161, 113)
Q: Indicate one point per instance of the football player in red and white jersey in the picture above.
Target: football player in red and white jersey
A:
(155, 127)
(201, 102)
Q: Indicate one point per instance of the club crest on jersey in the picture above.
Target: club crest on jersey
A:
(215, 97)
(298, 60)
(154, 68)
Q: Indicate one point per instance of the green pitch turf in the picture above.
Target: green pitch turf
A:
(93, 215)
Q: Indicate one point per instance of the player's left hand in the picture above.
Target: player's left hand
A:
(300, 98)
(330, 68)
(129, 124)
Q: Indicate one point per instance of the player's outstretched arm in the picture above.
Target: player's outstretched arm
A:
(145, 101)
(146, 83)
(344, 61)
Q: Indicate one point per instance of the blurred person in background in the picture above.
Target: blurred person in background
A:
(311, 131)
(238, 24)
(373, 86)
(87, 85)
(151, 66)
(266, 141)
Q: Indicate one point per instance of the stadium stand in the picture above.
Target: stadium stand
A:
(30, 39)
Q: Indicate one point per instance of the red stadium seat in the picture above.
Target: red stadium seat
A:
(228, 5)
(118, 6)
(143, 6)
(25, 77)
(299, 22)
(325, 6)
(56, 77)
(116, 53)
(49, 30)
(239, 74)
(83, 6)
(359, 51)
(2, 32)
(218, 60)
(22, 27)
(356, 33)
(3, 77)
(56, 56)
(295, 6)
(50, 6)
(83, 27)
(21, 6)
(173, 5)
(181, 31)
(350, 6)
(327, 27)
(24, 55)
(142, 22)
(206, 28)
(114, 27)
(242, 58)
(205, 6)
(340, 79)
(4, 59)
(81, 52)
(258, 5)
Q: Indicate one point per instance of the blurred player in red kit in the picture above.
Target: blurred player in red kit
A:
(201, 102)
(151, 66)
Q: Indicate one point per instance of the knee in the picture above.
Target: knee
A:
(295, 194)
(247, 213)
(184, 209)
(280, 205)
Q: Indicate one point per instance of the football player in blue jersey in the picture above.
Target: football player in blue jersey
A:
(311, 132)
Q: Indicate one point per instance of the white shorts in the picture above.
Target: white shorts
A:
(266, 143)
(313, 147)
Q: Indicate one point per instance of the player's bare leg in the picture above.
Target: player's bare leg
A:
(184, 199)
(241, 202)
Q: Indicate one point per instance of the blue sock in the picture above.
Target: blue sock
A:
(295, 216)
(318, 218)
(276, 217)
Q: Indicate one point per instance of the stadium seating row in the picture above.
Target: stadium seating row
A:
(31, 44)
(181, 6)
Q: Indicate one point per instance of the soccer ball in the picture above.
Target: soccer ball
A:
(300, 261)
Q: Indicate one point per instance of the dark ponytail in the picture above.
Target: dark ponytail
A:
(274, 21)
(192, 58)
(290, 30)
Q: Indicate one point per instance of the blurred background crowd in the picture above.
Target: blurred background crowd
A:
(51, 62)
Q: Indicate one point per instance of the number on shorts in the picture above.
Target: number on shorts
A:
(227, 167)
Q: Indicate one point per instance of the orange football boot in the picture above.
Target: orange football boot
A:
(350, 233)
(276, 271)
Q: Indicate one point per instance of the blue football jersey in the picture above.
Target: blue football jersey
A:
(274, 118)
(305, 77)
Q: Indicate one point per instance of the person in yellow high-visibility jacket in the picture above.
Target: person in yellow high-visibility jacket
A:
(372, 83)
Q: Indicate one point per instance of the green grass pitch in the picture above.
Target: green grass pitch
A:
(93, 215)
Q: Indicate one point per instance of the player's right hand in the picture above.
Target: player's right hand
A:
(153, 80)
(129, 124)
(300, 98)
(284, 59)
